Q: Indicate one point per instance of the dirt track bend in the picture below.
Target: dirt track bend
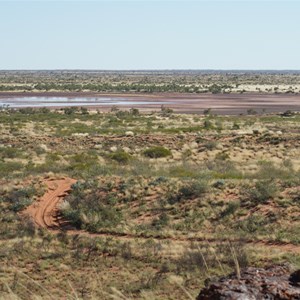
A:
(45, 214)
(45, 211)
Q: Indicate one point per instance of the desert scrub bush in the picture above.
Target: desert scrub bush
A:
(10, 152)
(262, 191)
(223, 169)
(120, 156)
(157, 152)
(210, 145)
(161, 221)
(253, 224)
(20, 199)
(235, 126)
(82, 161)
(231, 208)
(8, 168)
(189, 190)
(268, 170)
(157, 181)
(87, 208)
(219, 184)
(208, 124)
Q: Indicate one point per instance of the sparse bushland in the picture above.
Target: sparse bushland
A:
(159, 225)
(194, 82)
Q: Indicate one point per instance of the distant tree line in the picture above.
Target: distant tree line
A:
(122, 87)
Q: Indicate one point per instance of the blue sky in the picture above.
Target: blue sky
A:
(153, 34)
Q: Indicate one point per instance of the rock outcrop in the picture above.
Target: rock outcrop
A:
(276, 283)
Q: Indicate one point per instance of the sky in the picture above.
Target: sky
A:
(127, 35)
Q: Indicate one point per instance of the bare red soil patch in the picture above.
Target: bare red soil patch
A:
(45, 211)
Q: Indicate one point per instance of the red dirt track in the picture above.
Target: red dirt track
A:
(45, 211)
(45, 214)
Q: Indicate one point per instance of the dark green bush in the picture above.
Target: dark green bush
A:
(156, 152)
(7, 168)
(231, 208)
(208, 124)
(190, 190)
(10, 152)
(263, 191)
(87, 208)
(20, 199)
(193, 189)
(120, 156)
(215, 89)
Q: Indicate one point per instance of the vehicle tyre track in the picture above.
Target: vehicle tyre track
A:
(45, 214)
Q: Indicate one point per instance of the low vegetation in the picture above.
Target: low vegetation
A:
(194, 82)
(162, 201)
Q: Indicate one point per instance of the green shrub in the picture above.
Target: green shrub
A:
(210, 145)
(120, 156)
(263, 191)
(235, 126)
(190, 190)
(70, 110)
(252, 224)
(10, 152)
(20, 199)
(231, 208)
(7, 168)
(87, 208)
(134, 111)
(219, 184)
(156, 152)
(161, 221)
(288, 113)
(193, 189)
(208, 124)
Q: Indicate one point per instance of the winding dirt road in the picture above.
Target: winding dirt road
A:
(45, 211)
(46, 215)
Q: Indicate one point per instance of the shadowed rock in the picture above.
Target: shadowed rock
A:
(273, 283)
